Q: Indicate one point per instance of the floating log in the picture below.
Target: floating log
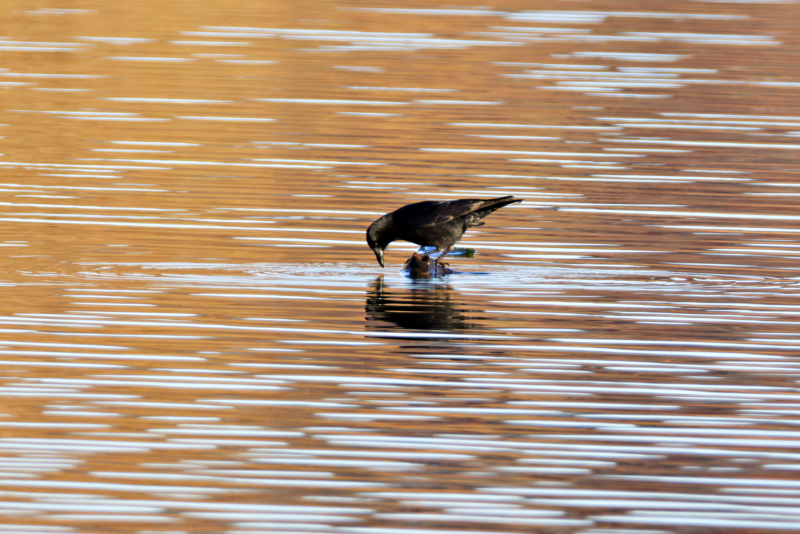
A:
(421, 266)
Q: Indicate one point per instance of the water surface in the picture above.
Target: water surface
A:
(194, 336)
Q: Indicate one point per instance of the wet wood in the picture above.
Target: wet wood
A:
(422, 266)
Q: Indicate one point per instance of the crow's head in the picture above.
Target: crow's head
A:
(378, 238)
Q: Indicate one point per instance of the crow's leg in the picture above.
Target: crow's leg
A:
(434, 251)
(447, 249)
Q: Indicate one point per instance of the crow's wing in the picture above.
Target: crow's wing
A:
(430, 213)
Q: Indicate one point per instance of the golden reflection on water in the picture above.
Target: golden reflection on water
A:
(194, 336)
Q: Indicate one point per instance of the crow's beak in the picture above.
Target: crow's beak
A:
(379, 254)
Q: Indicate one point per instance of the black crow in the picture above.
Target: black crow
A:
(432, 223)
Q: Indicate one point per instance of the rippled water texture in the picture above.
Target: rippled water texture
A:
(195, 338)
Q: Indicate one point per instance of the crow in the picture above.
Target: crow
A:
(432, 223)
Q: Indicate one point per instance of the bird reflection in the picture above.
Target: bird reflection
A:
(423, 306)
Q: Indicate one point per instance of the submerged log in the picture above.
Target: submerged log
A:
(421, 266)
